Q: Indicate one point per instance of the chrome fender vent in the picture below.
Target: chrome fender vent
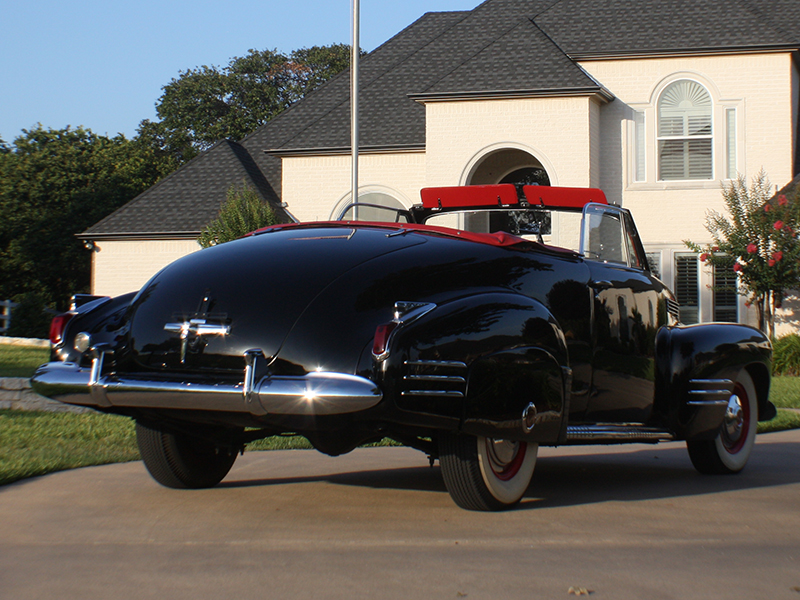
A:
(435, 378)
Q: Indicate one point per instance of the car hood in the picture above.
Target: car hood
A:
(205, 310)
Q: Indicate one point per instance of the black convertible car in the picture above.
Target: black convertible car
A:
(474, 327)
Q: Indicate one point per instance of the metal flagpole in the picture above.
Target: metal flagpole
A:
(354, 55)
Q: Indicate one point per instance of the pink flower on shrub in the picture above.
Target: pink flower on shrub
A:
(778, 225)
(737, 267)
(715, 249)
(782, 200)
(704, 257)
(767, 208)
(777, 255)
(752, 248)
(771, 262)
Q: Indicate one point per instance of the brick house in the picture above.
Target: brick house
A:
(657, 102)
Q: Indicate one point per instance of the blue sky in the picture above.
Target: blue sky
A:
(102, 63)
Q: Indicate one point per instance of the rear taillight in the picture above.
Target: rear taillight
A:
(57, 327)
(382, 333)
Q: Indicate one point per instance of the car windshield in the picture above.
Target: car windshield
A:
(557, 228)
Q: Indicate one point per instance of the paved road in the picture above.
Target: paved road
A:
(625, 522)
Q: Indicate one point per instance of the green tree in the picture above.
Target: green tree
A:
(242, 212)
(759, 238)
(54, 184)
(207, 104)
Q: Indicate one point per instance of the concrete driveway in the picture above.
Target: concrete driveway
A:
(620, 522)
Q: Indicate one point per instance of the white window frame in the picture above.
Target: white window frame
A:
(666, 257)
(685, 136)
(720, 148)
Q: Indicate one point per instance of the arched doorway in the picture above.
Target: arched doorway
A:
(509, 165)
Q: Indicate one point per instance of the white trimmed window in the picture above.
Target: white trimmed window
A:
(685, 140)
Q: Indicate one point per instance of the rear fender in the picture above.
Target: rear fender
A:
(696, 367)
(483, 360)
(99, 316)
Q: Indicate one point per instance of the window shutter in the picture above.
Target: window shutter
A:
(684, 131)
(730, 143)
(686, 287)
(725, 296)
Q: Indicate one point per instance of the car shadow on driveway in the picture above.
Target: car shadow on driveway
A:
(589, 475)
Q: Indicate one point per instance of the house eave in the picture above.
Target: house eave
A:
(597, 91)
(681, 53)
(344, 150)
(138, 236)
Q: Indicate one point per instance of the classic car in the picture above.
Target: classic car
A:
(476, 326)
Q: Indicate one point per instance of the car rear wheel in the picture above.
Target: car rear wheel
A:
(183, 461)
(730, 450)
(483, 473)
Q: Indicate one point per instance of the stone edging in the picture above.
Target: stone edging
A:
(16, 393)
(17, 341)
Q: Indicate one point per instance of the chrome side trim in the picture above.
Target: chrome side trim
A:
(433, 393)
(439, 378)
(709, 392)
(707, 403)
(436, 363)
(613, 432)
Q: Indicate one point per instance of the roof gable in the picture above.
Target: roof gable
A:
(184, 202)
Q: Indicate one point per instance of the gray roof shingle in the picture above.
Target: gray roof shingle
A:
(183, 203)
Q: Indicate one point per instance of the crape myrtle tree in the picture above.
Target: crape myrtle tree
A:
(207, 104)
(759, 238)
(242, 212)
(55, 183)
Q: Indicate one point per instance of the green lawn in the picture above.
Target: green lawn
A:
(21, 361)
(36, 443)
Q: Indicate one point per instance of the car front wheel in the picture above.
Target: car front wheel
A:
(483, 473)
(182, 461)
(730, 450)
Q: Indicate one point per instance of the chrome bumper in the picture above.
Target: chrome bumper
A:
(311, 394)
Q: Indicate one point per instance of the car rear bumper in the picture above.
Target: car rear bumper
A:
(307, 395)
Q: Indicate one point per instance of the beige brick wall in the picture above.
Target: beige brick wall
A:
(314, 186)
(554, 130)
(121, 267)
(760, 88)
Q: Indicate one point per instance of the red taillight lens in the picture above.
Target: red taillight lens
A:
(57, 326)
(382, 334)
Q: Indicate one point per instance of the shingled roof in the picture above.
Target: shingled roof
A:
(500, 48)
(183, 203)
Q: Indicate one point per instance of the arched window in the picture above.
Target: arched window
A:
(684, 132)
(382, 207)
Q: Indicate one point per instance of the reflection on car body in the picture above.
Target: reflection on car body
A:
(476, 326)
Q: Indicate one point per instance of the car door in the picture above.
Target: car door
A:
(624, 319)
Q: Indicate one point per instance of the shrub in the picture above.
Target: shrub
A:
(243, 211)
(786, 355)
(29, 318)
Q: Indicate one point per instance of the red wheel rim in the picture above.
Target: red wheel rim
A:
(505, 471)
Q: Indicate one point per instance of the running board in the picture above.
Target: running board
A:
(616, 433)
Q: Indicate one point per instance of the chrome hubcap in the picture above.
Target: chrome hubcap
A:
(734, 418)
(501, 453)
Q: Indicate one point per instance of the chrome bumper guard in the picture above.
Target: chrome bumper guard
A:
(309, 395)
